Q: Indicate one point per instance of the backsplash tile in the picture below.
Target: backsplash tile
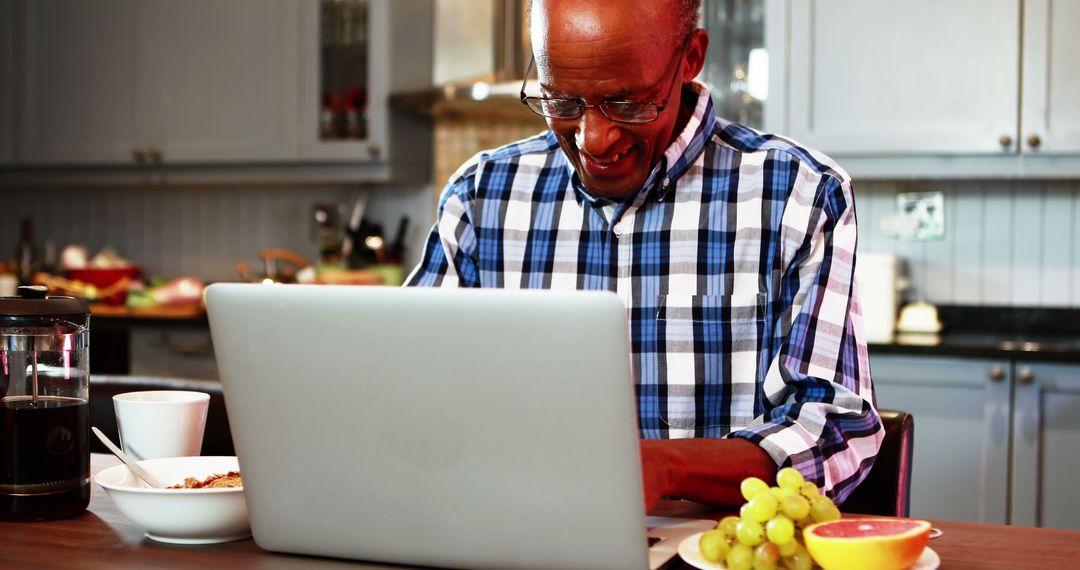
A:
(199, 231)
(1007, 243)
(458, 139)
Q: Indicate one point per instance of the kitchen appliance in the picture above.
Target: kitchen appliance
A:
(880, 281)
(919, 317)
(44, 402)
(477, 68)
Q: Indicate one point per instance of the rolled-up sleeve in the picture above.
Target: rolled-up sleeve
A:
(821, 416)
(449, 258)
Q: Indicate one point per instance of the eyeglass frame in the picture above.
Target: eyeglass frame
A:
(584, 106)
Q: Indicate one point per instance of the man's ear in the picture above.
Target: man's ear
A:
(696, 49)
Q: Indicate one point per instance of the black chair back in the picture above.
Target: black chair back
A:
(886, 490)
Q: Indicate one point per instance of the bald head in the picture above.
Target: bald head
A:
(686, 14)
(655, 21)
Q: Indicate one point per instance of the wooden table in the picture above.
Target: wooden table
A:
(103, 538)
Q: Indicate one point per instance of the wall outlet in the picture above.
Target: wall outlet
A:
(922, 216)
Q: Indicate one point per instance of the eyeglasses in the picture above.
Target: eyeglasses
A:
(620, 111)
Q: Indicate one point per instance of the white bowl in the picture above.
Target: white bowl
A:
(180, 516)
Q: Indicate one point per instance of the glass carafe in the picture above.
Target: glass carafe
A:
(44, 406)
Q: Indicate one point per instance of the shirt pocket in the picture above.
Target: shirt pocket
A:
(708, 350)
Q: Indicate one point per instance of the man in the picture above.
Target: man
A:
(733, 251)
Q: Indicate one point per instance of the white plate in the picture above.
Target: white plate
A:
(689, 551)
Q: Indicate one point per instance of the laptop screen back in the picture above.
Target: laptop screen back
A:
(452, 428)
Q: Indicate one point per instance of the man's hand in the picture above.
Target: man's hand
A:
(703, 470)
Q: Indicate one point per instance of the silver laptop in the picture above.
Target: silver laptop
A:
(437, 427)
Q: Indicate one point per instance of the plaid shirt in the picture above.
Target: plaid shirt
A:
(735, 261)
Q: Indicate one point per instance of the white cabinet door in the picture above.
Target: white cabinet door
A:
(923, 76)
(76, 98)
(1046, 438)
(1050, 122)
(960, 469)
(224, 79)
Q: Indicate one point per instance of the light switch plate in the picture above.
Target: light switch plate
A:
(923, 215)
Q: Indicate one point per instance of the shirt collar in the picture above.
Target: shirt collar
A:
(680, 154)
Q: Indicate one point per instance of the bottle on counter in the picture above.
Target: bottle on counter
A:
(50, 259)
(327, 120)
(25, 256)
(352, 116)
(356, 113)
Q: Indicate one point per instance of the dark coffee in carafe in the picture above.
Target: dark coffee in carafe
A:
(44, 400)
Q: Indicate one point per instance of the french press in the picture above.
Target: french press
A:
(44, 406)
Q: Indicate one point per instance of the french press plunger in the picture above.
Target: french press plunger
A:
(44, 395)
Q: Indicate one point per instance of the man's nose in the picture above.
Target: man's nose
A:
(596, 133)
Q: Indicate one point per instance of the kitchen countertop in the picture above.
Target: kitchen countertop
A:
(983, 345)
(974, 332)
(193, 312)
(1018, 333)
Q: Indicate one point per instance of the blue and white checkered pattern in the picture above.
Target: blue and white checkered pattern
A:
(736, 264)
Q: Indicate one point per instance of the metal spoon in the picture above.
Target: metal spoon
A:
(150, 480)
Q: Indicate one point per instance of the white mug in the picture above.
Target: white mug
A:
(161, 423)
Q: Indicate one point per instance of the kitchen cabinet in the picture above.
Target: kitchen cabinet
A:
(737, 64)
(173, 347)
(76, 98)
(1046, 432)
(239, 83)
(960, 469)
(173, 351)
(222, 79)
(930, 77)
(995, 440)
(377, 48)
(964, 88)
(1050, 113)
(163, 82)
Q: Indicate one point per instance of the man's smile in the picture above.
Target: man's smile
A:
(610, 159)
(608, 165)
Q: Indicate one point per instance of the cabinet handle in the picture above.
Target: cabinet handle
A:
(187, 347)
(1005, 141)
(1034, 141)
(155, 155)
(1025, 376)
(374, 150)
(139, 156)
(997, 373)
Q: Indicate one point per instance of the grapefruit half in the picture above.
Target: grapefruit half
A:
(880, 543)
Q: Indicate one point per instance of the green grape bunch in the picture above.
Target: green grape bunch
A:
(767, 534)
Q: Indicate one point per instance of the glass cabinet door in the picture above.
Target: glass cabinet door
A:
(737, 65)
(343, 70)
(343, 99)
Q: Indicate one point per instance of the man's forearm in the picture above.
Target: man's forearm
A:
(703, 470)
